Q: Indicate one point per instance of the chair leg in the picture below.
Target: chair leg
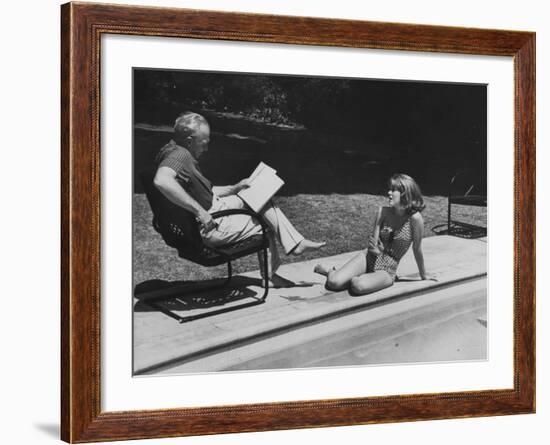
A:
(160, 308)
(229, 272)
(265, 274)
(242, 306)
(449, 217)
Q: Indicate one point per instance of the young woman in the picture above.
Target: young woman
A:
(397, 226)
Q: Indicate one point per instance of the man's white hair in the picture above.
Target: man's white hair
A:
(188, 125)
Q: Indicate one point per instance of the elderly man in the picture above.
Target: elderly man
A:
(180, 180)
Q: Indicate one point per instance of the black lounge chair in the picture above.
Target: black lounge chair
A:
(180, 230)
(467, 188)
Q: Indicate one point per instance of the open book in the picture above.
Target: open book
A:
(264, 183)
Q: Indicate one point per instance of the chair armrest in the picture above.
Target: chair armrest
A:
(256, 216)
(458, 173)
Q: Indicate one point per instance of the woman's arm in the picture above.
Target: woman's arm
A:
(375, 237)
(417, 223)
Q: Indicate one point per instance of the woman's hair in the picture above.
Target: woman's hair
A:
(411, 196)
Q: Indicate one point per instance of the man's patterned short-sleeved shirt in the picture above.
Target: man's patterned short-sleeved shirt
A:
(188, 173)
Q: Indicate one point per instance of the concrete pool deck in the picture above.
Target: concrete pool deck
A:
(161, 342)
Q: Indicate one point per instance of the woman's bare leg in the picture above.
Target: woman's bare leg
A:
(370, 282)
(340, 278)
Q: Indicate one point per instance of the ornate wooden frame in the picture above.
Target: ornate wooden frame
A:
(82, 26)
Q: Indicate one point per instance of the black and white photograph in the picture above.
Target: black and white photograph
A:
(275, 222)
(289, 222)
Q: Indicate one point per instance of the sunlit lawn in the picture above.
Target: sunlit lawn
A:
(343, 221)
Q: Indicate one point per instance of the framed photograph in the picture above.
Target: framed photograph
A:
(275, 222)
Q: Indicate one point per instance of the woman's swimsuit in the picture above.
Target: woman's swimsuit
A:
(395, 244)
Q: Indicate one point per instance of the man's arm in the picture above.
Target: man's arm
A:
(165, 181)
(228, 190)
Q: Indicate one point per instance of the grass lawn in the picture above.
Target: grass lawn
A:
(343, 221)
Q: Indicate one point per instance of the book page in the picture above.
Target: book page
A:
(264, 183)
(261, 169)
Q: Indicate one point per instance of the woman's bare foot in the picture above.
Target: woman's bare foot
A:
(323, 270)
(306, 245)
